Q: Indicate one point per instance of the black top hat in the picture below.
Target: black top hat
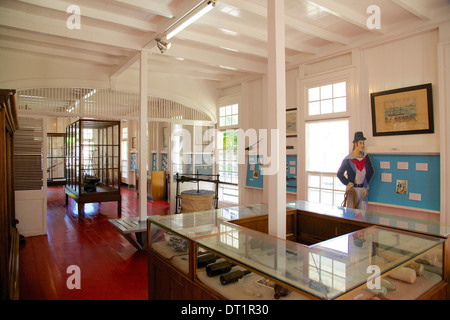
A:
(359, 136)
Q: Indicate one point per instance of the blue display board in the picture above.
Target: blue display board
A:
(255, 178)
(407, 180)
(154, 162)
(291, 173)
(164, 162)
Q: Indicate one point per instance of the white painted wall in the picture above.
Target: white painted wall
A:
(402, 63)
(411, 60)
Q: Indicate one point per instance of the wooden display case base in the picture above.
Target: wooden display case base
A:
(95, 197)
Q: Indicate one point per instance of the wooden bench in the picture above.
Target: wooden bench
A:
(134, 230)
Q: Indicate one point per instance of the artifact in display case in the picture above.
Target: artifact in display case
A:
(93, 162)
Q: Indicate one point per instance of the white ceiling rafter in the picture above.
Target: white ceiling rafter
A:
(54, 51)
(228, 43)
(416, 7)
(296, 24)
(93, 13)
(151, 6)
(57, 27)
(343, 12)
(245, 30)
(217, 59)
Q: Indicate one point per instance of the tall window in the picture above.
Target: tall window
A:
(327, 141)
(228, 154)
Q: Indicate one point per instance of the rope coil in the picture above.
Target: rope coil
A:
(345, 203)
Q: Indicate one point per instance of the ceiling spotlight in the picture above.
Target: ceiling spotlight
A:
(163, 45)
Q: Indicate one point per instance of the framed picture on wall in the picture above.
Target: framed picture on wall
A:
(403, 111)
(291, 122)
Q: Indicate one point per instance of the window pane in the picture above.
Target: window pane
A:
(313, 181)
(327, 107)
(314, 94)
(314, 108)
(314, 195)
(340, 89)
(326, 145)
(338, 198)
(326, 197)
(235, 109)
(327, 182)
(326, 92)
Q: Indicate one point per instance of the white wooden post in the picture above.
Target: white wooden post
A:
(277, 117)
(143, 115)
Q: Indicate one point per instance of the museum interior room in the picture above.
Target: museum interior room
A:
(224, 150)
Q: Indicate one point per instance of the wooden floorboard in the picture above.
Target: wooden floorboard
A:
(111, 268)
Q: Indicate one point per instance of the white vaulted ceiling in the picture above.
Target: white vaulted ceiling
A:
(230, 41)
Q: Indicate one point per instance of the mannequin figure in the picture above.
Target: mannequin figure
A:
(359, 169)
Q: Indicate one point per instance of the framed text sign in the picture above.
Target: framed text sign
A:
(403, 111)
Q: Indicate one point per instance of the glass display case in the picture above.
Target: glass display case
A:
(93, 161)
(233, 262)
(372, 218)
(170, 235)
(56, 159)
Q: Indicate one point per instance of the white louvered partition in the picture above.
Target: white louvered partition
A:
(30, 182)
(102, 104)
(28, 155)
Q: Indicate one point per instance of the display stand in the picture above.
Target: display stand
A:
(196, 178)
(93, 163)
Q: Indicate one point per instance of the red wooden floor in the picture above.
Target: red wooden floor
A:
(110, 267)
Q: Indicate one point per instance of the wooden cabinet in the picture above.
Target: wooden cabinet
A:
(261, 224)
(313, 228)
(9, 236)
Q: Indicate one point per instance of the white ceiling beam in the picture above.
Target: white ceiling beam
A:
(158, 67)
(291, 22)
(124, 65)
(161, 59)
(226, 44)
(415, 7)
(345, 13)
(102, 15)
(216, 59)
(50, 50)
(65, 42)
(150, 6)
(57, 27)
(251, 32)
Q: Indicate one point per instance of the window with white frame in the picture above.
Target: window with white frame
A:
(227, 145)
(326, 141)
(229, 115)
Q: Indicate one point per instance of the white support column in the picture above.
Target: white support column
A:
(277, 117)
(143, 118)
(444, 115)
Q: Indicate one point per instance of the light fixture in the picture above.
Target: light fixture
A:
(192, 16)
(163, 45)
